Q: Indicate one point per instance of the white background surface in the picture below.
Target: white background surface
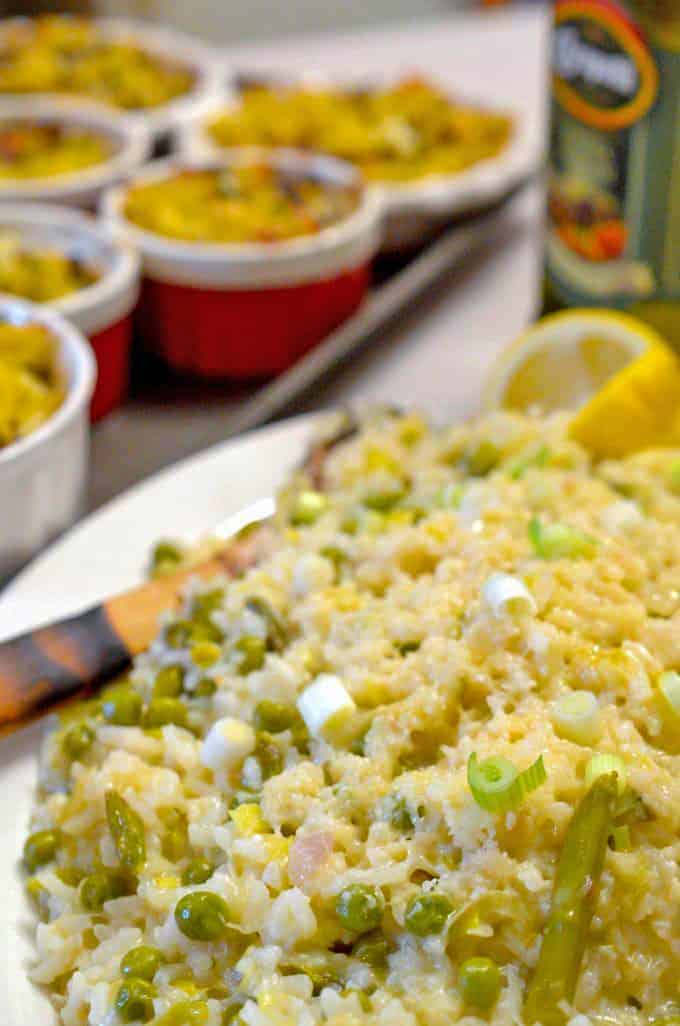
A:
(230, 20)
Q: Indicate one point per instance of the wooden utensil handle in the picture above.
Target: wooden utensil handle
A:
(55, 661)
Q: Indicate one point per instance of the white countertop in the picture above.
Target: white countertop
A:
(437, 356)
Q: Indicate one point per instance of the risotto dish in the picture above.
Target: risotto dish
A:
(417, 763)
(34, 150)
(31, 388)
(253, 202)
(401, 133)
(40, 273)
(55, 54)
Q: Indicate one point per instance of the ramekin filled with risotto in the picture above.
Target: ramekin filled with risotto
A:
(431, 155)
(417, 764)
(249, 259)
(154, 74)
(49, 254)
(47, 375)
(62, 151)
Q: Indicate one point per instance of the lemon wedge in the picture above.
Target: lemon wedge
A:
(639, 408)
(615, 371)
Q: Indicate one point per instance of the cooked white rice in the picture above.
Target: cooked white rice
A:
(391, 594)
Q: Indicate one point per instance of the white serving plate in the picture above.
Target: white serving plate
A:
(107, 553)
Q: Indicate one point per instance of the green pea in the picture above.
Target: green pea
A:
(277, 634)
(251, 650)
(274, 717)
(401, 817)
(373, 949)
(166, 555)
(69, 875)
(205, 688)
(105, 885)
(169, 682)
(122, 706)
(127, 830)
(142, 962)
(385, 500)
(161, 711)
(205, 604)
(406, 647)
(134, 1001)
(197, 872)
(480, 982)
(178, 634)
(350, 524)
(77, 741)
(205, 630)
(202, 627)
(269, 756)
(481, 457)
(427, 914)
(40, 848)
(205, 654)
(307, 508)
(336, 556)
(202, 916)
(185, 1013)
(360, 907)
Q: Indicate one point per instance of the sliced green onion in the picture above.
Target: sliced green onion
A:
(602, 765)
(674, 476)
(559, 541)
(451, 495)
(576, 717)
(325, 705)
(620, 838)
(498, 786)
(669, 689)
(508, 596)
(540, 458)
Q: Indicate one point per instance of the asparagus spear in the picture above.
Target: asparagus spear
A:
(578, 873)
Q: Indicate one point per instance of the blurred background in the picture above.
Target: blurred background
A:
(261, 19)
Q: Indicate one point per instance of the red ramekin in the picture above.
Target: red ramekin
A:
(245, 310)
(103, 310)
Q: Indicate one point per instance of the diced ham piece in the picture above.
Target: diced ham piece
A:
(307, 856)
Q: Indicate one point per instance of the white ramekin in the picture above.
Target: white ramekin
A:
(131, 142)
(412, 210)
(249, 309)
(43, 476)
(103, 310)
(170, 44)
